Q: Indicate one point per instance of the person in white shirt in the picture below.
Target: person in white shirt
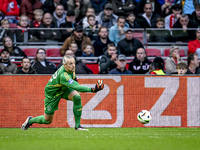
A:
(172, 18)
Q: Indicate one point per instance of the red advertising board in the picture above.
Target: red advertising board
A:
(172, 100)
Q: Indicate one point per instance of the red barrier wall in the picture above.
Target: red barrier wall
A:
(172, 101)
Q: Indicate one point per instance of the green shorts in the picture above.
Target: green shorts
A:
(51, 102)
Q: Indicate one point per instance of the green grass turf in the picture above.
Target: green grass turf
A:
(100, 139)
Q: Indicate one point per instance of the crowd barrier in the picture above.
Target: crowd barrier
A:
(139, 33)
(174, 101)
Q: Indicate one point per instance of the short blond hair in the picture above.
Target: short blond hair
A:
(20, 18)
(66, 58)
(40, 11)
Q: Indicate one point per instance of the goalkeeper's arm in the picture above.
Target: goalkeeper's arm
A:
(76, 86)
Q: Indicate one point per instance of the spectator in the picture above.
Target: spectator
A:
(157, 66)
(120, 7)
(130, 19)
(79, 38)
(173, 60)
(156, 6)
(26, 67)
(13, 50)
(193, 64)
(188, 7)
(129, 44)
(160, 35)
(69, 23)
(27, 7)
(102, 41)
(166, 8)
(196, 15)
(121, 66)
(10, 10)
(6, 66)
(23, 25)
(106, 18)
(98, 5)
(194, 46)
(84, 22)
(195, 3)
(148, 18)
(79, 7)
(74, 47)
(184, 35)
(48, 35)
(38, 16)
(181, 68)
(92, 30)
(50, 5)
(117, 32)
(5, 30)
(172, 18)
(41, 65)
(140, 64)
(109, 60)
(59, 15)
(81, 68)
(88, 50)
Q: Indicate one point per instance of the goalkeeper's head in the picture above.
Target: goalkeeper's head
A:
(69, 63)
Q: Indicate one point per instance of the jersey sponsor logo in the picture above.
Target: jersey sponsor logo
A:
(71, 81)
(49, 108)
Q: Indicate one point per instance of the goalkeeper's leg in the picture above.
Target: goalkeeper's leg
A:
(44, 119)
(77, 109)
(50, 108)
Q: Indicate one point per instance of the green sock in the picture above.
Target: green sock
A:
(39, 120)
(77, 109)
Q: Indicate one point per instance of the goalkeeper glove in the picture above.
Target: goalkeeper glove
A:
(99, 86)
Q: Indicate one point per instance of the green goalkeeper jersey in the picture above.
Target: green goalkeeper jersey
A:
(61, 80)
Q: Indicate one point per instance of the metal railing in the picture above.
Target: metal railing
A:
(139, 33)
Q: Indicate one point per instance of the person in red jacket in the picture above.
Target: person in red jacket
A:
(194, 46)
(10, 9)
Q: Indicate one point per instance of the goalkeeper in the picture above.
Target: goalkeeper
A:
(63, 85)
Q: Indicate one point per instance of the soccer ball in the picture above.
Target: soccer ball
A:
(144, 117)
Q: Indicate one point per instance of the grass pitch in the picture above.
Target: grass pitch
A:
(100, 139)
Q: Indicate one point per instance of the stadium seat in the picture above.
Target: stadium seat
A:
(138, 35)
(53, 52)
(153, 52)
(167, 51)
(31, 52)
(93, 67)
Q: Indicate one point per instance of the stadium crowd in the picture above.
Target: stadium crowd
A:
(103, 29)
